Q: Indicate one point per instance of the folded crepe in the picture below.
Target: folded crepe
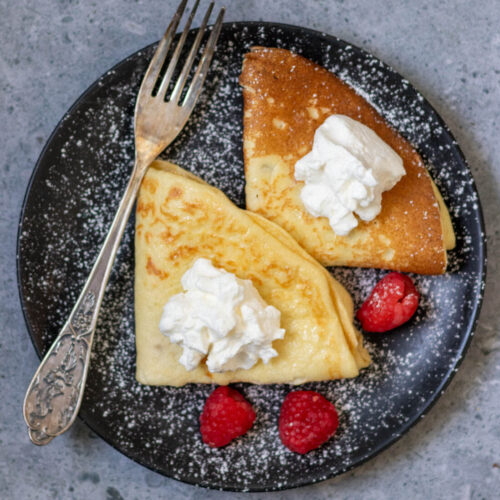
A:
(286, 98)
(179, 219)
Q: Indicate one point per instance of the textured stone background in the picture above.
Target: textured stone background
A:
(51, 50)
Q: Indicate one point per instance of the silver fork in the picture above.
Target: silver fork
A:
(55, 394)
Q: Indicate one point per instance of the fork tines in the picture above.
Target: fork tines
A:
(153, 74)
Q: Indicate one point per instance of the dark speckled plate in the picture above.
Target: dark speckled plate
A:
(69, 204)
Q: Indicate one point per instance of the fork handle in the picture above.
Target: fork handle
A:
(55, 393)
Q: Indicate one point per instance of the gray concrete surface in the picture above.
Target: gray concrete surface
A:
(51, 50)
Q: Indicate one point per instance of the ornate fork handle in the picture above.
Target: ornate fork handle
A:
(56, 390)
(55, 393)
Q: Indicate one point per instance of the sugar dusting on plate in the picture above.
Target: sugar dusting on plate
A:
(72, 202)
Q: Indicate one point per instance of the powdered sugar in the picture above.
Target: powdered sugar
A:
(72, 200)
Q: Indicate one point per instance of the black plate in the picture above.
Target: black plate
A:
(70, 201)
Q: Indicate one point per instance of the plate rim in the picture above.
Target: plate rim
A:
(470, 327)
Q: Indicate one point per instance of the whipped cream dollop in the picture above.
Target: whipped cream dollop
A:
(346, 172)
(222, 318)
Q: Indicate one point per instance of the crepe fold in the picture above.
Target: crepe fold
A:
(286, 98)
(179, 219)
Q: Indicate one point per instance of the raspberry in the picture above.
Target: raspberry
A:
(306, 421)
(392, 302)
(226, 415)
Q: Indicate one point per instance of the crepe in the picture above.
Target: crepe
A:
(179, 219)
(286, 98)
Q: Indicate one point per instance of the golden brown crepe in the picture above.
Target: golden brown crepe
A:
(180, 219)
(286, 98)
